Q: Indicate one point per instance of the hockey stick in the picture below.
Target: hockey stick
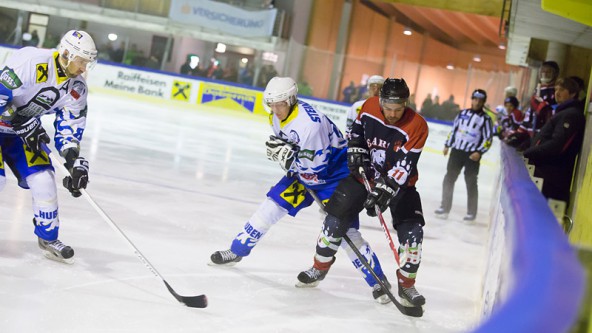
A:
(200, 301)
(381, 218)
(412, 311)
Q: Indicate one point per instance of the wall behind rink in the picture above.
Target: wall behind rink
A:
(193, 92)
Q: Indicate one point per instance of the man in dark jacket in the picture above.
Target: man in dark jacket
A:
(558, 143)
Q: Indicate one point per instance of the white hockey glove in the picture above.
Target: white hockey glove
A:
(280, 151)
(32, 134)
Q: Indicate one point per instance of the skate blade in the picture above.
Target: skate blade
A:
(53, 257)
(306, 285)
(405, 302)
(384, 299)
(229, 264)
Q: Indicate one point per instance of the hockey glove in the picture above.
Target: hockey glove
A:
(32, 134)
(280, 151)
(381, 196)
(78, 178)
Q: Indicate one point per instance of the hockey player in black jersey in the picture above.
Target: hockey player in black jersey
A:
(386, 141)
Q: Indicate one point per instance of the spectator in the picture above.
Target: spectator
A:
(186, 67)
(304, 89)
(117, 54)
(152, 62)
(541, 107)
(33, 41)
(449, 109)
(349, 92)
(426, 107)
(470, 138)
(412, 104)
(557, 145)
(511, 119)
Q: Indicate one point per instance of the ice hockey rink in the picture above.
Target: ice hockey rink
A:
(180, 184)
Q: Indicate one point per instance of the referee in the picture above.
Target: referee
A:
(469, 139)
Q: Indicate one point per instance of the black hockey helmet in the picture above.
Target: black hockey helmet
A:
(394, 91)
(480, 94)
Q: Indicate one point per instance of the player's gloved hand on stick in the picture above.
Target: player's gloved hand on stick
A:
(357, 157)
(281, 151)
(32, 133)
(78, 178)
(381, 196)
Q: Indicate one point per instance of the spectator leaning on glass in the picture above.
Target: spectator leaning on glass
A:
(469, 139)
(541, 107)
(555, 148)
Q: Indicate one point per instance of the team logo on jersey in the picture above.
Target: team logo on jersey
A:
(294, 194)
(78, 89)
(42, 73)
(308, 154)
(9, 78)
(40, 103)
(1, 161)
(34, 159)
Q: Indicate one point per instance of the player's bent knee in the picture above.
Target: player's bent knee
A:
(43, 185)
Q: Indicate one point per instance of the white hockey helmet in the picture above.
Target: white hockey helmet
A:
(375, 79)
(79, 43)
(280, 89)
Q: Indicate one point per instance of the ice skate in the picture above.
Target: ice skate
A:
(56, 250)
(379, 294)
(311, 277)
(224, 258)
(469, 218)
(441, 213)
(411, 295)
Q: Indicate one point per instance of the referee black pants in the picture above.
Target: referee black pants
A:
(456, 162)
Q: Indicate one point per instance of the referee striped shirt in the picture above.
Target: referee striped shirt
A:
(472, 131)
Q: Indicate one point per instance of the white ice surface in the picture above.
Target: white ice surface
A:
(181, 184)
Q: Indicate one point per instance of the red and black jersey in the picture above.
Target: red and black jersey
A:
(394, 149)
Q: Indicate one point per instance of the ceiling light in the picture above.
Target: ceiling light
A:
(477, 58)
(450, 66)
(407, 31)
(502, 46)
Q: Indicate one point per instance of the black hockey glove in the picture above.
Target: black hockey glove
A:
(32, 134)
(281, 151)
(381, 196)
(357, 157)
(78, 178)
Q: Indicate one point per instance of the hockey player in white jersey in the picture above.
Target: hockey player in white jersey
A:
(36, 82)
(313, 152)
(374, 84)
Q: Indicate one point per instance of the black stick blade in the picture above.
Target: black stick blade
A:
(200, 301)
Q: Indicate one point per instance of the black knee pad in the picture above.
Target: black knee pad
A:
(348, 199)
(411, 232)
(335, 227)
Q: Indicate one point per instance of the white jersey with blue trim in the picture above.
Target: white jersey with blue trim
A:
(322, 149)
(36, 84)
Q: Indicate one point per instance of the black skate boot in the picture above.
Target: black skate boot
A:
(379, 294)
(311, 277)
(407, 290)
(226, 258)
(56, 250)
